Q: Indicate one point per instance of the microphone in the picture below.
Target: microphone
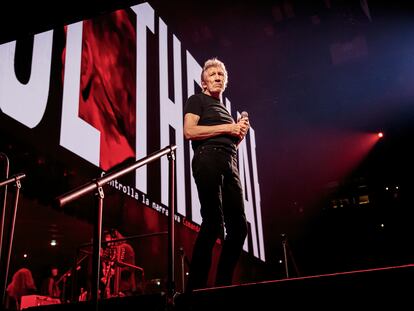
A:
(243, 114)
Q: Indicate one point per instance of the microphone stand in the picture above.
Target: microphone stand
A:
(286, 250)
(75, 268)
(182, 255)
(184, 260)
(284, 245)
(63, 279)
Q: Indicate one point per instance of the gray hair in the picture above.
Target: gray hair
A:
(214, 62)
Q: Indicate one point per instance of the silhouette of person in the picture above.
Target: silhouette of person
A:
(22, 284)
(50, 286)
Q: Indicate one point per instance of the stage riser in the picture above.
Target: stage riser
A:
(368, 290)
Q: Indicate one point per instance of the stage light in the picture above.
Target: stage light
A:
(53, 243)
(25, 255)
(380, 134)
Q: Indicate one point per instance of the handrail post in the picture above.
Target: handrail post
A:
(2, 223)
(171, 233)
(3, 210)
(96, 258)
(11, 237)
(284, 242)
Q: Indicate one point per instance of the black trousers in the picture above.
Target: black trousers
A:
(222, 210)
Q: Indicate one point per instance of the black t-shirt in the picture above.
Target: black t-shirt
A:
(211, 112)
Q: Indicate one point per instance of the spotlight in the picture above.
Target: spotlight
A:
(380, 134)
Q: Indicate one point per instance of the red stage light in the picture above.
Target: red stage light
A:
(380, 135)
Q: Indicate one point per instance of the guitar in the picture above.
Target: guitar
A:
(108, 269)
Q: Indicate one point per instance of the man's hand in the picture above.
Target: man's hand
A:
(244, 127)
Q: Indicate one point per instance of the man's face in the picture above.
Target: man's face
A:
(213, 80)
(108, 237)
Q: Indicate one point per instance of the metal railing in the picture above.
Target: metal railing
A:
(4, 183)
(96, 186)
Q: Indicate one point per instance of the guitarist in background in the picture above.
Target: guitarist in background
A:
(118, 279)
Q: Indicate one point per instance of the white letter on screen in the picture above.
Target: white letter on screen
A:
(26, 103)
(244, 170)
(145, 19)
(171, 114)
(257, 193)
(76, 135)
(193, 75)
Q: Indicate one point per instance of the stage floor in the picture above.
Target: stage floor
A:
(390, 287)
